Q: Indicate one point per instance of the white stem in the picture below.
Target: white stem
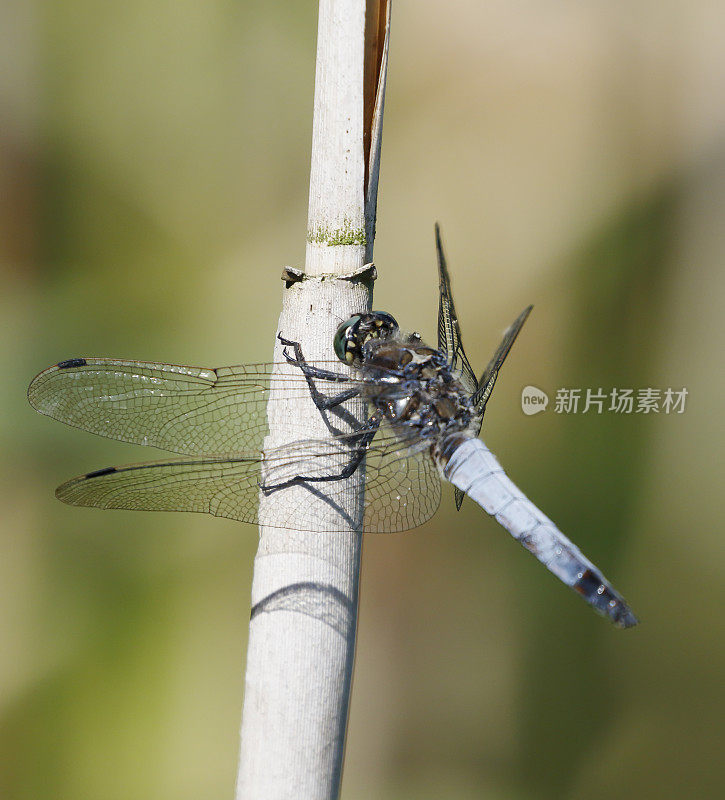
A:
(305, 588)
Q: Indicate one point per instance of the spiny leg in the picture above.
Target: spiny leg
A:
(360, 442)
(322, 403)
(300, 361)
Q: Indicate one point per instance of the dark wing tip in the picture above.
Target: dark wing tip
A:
(71, 363)
(439, 240)
(38, 381)
(68, 492)
(442, 266)
(524, 315)
(99, 472)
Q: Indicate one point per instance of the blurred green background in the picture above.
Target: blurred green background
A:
(153, 181)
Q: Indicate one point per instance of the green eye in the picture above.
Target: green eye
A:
(342, 337)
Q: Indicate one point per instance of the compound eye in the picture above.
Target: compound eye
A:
(344, 343)
(384, 322)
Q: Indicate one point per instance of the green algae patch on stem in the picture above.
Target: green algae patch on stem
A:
(335, 237)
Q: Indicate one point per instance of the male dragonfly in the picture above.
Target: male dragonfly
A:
(426, 409)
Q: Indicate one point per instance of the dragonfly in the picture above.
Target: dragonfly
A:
(425, 409)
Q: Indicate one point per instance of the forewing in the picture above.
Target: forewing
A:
(488, 379)
(449, 332)
(188, 410)
(402, 486)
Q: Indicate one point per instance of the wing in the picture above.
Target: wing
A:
(488, 379)
(402, 487)
(187, 410)
(225, 487)
(449, 332)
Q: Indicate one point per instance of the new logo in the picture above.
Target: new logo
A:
(533, 400)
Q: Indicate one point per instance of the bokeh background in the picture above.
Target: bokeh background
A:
(153, 181)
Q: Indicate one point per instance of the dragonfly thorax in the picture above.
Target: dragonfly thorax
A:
(414, 388)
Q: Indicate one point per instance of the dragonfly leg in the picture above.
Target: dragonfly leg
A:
(307, 369)
(359, 442)
(322, 402)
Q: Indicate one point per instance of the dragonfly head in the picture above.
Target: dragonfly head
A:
(353, 334)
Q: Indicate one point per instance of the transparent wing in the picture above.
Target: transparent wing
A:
(450, 343)
(402, 485)
(226, 487)
(488, 379)
(188, 410)
(449, 332)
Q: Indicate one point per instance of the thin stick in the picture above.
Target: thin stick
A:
(305, 589)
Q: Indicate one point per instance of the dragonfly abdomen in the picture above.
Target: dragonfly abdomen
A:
(474, 469)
